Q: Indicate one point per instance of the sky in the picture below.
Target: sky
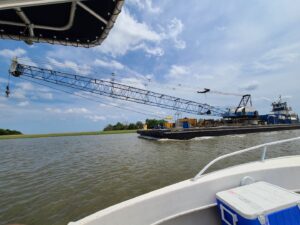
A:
(176, 48)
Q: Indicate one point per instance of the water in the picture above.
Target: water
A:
(53, 181)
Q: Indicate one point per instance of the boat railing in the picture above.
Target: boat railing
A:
(263, 147)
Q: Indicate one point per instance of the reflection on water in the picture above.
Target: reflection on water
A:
(52, 181)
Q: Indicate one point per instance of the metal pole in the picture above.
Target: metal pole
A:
(263, 156)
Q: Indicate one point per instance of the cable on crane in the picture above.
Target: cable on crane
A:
(7, 90)
(207, 90)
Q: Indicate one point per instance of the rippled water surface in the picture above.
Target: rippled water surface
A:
(52, 181)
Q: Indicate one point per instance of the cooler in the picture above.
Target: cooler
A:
(259, 203)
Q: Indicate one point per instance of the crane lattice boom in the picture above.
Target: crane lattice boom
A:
(113, 90)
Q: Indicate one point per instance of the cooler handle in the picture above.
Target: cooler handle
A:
(234, 217)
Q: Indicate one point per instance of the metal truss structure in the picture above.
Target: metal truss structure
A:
(113, 90)
(246, 99)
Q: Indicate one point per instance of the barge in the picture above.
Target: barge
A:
(186, 134)
(240, 120)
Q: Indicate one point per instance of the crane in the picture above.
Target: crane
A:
(246, 99)
(244, 102)
(112, 89)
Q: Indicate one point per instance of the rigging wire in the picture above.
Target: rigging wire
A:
(7, 91)
(90, 99)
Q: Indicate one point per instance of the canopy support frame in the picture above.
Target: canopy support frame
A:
(32, 37)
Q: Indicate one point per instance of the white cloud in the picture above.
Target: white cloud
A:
(23, 104)
(156, 51)
(26, 60)
(277, 58)
(77, 111)
(127, 34)
(175, 28)
(26, 86)
(82, 69)
(145, 5)
(286, 97)
(130, 35)
(133, 81)
(8, 53)
(53, 110)
(80, 110)
(49, 67)
(112, 64)
(177, 71)
(95, 118)
(25, 89)
(18, 52)
(45, 95)
(263, 99)
(18, 94)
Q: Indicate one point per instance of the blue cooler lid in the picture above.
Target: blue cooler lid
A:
(257, 199)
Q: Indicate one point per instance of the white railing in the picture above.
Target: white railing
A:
(263, 156)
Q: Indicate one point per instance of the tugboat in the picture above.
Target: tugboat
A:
(281, 114)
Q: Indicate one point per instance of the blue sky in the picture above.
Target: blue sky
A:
(177, 48)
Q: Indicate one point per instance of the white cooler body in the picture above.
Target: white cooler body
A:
(259, 203)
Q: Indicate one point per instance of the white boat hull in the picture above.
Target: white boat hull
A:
(193, 202)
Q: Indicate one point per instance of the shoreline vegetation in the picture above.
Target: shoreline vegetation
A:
(9, 132)
(19, 136)
(118, 128)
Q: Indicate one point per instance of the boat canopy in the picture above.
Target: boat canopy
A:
(80, 23)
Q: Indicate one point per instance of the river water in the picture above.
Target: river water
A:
(52, 181)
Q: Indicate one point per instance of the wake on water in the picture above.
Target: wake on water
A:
(200, 138)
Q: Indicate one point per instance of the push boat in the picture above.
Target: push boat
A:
(193, 201)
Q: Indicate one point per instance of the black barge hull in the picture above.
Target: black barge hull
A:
(186, 134)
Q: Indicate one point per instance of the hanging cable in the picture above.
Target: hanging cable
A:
(7, 91)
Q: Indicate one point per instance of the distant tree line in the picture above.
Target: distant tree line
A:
(121, 126)
(9, 132)
(151, 123)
